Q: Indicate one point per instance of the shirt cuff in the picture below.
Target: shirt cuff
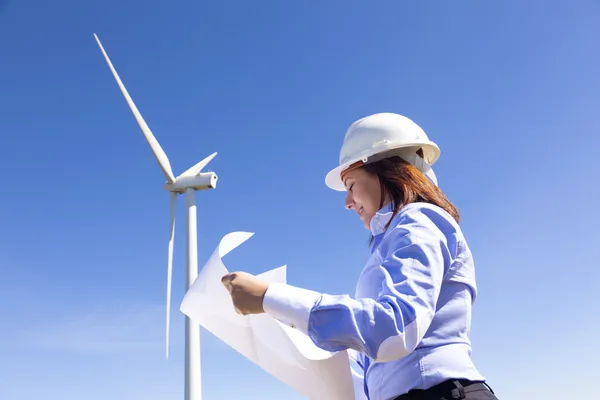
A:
(290, 305)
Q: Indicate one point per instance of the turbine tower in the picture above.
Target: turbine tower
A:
(188, 182)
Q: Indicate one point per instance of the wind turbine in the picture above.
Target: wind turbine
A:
(188, 182)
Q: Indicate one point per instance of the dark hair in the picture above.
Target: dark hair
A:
(405, 184)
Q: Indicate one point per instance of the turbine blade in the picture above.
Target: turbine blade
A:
(195, 170)
(159, 154)
(170, 265)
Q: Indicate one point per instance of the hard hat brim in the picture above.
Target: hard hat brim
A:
(334, 181)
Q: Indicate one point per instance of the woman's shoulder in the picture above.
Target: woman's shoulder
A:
(426, 213)
(427, 227)
(422, 222)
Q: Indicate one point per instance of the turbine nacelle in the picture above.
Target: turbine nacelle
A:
(194, 178)
(202, 181)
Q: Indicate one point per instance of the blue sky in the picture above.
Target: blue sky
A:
(509, 91)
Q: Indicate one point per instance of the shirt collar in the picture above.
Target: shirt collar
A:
(381, 218)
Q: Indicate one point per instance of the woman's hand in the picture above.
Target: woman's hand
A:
(247, 292)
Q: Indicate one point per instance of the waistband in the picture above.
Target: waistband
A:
(450, 389)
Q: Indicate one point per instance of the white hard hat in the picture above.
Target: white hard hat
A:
(384, 135)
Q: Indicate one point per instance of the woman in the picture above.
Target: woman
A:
(410, 317)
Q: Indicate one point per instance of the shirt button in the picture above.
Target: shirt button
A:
(293, 326)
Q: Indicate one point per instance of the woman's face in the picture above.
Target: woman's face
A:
(363, 194)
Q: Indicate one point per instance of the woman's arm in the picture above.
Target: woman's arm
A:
(416, 255)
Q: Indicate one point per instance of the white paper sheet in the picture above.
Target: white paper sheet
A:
(282, 351)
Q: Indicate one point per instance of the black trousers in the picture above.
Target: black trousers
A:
(453, 389)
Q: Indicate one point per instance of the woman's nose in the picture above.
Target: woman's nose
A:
(349, 201)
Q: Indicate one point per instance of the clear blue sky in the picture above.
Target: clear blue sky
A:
(510, 92)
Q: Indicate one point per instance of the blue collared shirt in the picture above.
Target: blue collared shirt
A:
(410, 317)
